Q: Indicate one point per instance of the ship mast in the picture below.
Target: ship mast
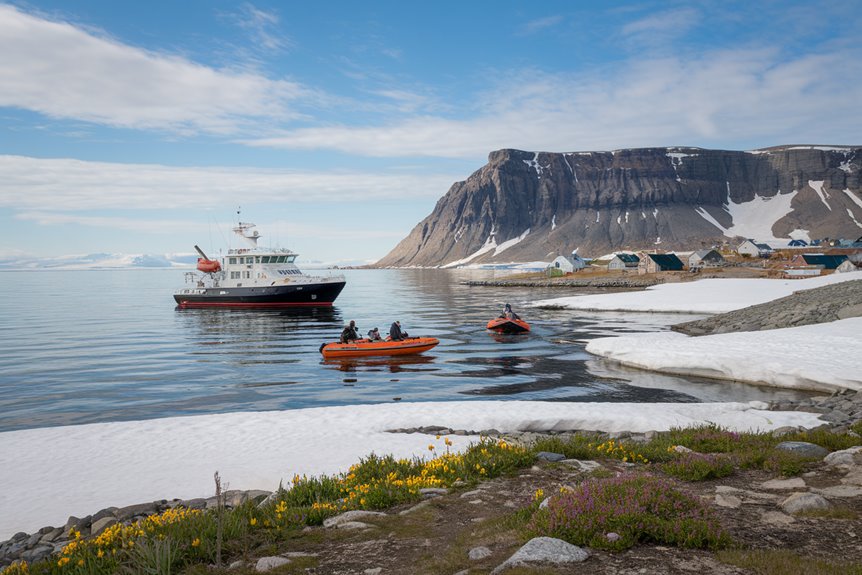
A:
(243, 230)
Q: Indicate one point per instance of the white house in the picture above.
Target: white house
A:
(705, 259)
(624, 262)
(568, 264)
(753, 249)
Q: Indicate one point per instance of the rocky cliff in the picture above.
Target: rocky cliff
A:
(527, 206)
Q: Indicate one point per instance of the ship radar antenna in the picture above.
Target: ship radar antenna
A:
(244, 230)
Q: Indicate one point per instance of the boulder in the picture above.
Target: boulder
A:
(139, 510)
(351, 516)
(803, 449)
(727, 500)
(479, 553)
(779, 484)
(428, 492)
(802, 502)
(844, 458)
(265, 564)
(541, 550)
(548, 456)
(839, 491)
(102, 524)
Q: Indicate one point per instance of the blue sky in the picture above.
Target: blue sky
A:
(139, 127)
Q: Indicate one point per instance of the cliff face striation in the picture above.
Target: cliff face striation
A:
(528, 206)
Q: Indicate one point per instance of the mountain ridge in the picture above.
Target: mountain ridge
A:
(527, 206)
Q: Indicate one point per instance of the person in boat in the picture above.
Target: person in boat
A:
(349, 334)
(395, 333)
(374, 335)
(508, 313)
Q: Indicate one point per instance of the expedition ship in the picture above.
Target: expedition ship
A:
(255, 277)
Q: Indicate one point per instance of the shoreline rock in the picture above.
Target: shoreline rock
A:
(49, 540)
(818, 305)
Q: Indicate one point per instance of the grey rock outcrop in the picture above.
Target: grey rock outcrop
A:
(805, 307)
(545, 550)
(635, 198)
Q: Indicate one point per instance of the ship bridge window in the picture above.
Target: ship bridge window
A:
(232, 260)
(264, 259)
(257, 259)
(291, 259)
(280, 260)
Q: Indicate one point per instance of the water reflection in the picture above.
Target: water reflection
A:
(394, 364)
(139, 358)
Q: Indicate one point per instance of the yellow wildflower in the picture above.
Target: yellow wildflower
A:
(196, 542)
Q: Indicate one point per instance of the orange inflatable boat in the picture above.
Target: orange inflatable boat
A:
(366, 347)
(506, 325)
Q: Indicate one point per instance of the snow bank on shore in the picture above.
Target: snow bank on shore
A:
(51, 473)
(702, 296)
(820, 357)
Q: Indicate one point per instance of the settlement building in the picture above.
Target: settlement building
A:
(624, 262)
(653, 263)
(568, 264)
(705, 259)
(753, 249)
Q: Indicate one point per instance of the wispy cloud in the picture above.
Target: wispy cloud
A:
(757, 96)
(72, 185)
(540, 24)
(663, 24)
(262, 26)
(170, 227)
(62, 71)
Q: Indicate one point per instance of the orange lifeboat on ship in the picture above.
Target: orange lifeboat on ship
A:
(208, 266)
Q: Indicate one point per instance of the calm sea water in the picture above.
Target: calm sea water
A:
(95, 346)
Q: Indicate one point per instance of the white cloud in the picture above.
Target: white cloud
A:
(74, 185)
(755, 96)
(62, 71)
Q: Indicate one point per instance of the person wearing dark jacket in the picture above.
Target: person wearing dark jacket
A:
(508, 313)
(395, 333)
(349, 334)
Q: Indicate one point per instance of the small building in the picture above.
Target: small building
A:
(829, 262)
(624, 262)
(705, 259)
(567, 264)
(753, 249)
(653, 263)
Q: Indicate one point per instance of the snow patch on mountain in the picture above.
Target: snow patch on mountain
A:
(817, 186)
(753, 219)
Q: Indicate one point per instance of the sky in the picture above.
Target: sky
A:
(142, 127)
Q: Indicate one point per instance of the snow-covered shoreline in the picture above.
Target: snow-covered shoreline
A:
(822, 357)
(52, 473)
(702, 296)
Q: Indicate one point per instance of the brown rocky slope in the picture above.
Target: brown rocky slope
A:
(633, 199)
